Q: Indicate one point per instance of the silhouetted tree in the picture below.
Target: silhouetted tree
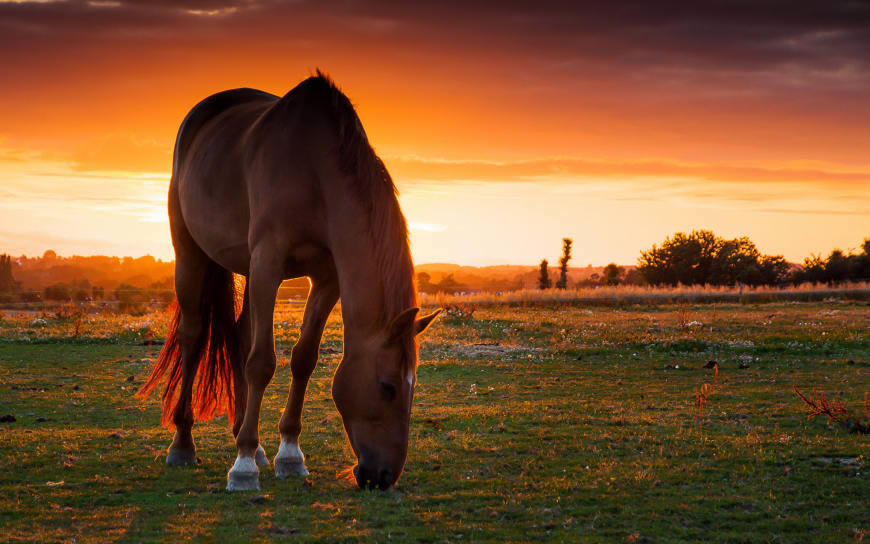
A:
(544, 277)
(703, 258)
(862, 268)
(735, 261)
(448, 284)
(814, 270)
(562, 283)
(686, 259)
(837, 267)
(424, 283)
(7, 282)
(611, 274)
(774, 269)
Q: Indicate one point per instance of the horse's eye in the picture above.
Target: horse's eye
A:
(388, 391)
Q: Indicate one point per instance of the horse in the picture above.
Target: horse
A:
(273, 188)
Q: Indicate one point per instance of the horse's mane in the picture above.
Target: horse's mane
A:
(387, 226)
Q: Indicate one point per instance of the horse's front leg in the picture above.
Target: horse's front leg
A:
(263, 281)
(321, 300)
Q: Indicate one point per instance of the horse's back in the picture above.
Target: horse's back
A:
(207, 177)
(249, 164)
(207, 109)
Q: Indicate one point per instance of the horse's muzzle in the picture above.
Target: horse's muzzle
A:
(370, 477)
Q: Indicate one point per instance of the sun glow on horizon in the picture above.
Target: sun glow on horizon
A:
(475, 221)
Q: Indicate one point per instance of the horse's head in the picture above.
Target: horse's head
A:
(372, 389)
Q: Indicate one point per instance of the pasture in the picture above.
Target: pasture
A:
(537, 423)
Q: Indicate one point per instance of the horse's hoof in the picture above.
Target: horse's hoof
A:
(244, 476)
(283, 469)
(260, 457)
(178, 457)
(289, 461)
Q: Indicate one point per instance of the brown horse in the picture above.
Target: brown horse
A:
(275, 188)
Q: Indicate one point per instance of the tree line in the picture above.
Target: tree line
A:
(55, 279)
(699, 257)
(702, 258)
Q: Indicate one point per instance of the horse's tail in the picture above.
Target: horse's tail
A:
(215, 352)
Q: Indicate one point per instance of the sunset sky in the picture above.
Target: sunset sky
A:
(506, 125)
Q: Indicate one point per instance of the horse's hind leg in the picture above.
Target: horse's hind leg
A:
(240, 384)
(321, 299)
(190, 272)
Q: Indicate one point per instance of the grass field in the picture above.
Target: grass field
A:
(551, 423)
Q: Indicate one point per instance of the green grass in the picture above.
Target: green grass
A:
(511, 442)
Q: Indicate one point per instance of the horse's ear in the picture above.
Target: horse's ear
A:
(421, 324)
(402, 323)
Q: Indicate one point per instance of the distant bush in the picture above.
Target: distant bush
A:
(164, 296)
(611, 274)
(29, 296)
(58, 291)
(131, 299)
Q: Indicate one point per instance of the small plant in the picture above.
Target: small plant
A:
(461, 311)
(836, 412)
(683, 317)
(701, 398)
(72, 314)
(705, 391)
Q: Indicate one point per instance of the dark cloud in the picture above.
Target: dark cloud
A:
(753, 36)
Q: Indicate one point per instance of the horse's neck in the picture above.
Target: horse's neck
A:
(362, 300)
(361, 280)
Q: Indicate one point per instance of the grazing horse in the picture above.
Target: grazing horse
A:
(274, 188)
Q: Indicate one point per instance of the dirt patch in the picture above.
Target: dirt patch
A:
(491, 349)
(851, 462)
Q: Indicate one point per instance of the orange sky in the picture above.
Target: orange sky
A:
(506, 126)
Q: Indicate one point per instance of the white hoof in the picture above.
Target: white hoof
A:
(289, 461)
(260, 457)
(244, 476)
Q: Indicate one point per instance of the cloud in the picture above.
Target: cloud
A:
(17, 155)
(411, 168)
(865, 212)
(122, 152)
(803, 39)
(110, 156)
